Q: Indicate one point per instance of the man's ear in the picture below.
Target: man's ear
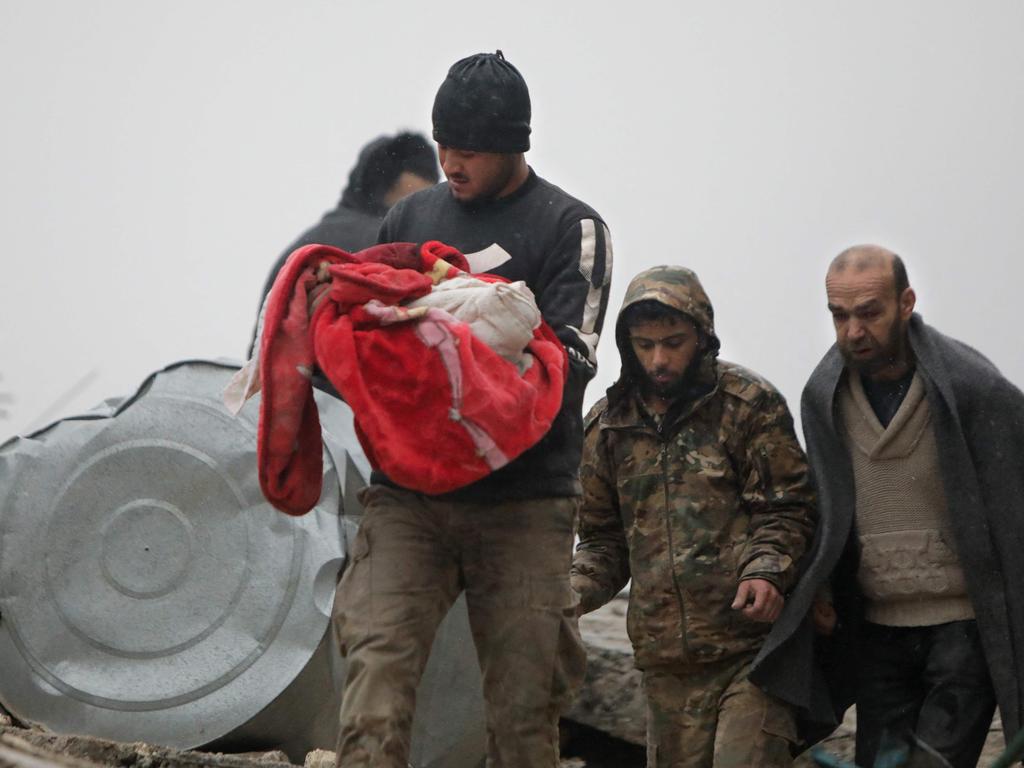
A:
(907, 302)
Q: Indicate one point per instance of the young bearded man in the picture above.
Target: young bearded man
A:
(694, 487)
(506, 540)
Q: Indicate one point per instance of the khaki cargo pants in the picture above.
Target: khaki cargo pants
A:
(411, 558)
(711, 716)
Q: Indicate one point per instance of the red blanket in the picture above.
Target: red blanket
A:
(435, 408)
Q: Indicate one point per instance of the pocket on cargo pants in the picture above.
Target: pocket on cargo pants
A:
(522, 612)
(352, 598)
(754, 728)
(570, 663)
(528, 640)
(401, 579)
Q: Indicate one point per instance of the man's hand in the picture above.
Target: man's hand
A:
(316, 296)
(581, 586)
(823, 614)
(759, 600)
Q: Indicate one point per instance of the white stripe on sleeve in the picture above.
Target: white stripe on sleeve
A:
(592, 304)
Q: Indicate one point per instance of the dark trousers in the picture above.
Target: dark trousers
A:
(932, 681)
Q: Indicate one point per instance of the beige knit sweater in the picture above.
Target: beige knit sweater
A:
(909, 570)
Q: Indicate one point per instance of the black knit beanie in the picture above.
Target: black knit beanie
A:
(483, 105)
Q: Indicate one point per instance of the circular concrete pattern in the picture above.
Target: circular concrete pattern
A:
(147, 590)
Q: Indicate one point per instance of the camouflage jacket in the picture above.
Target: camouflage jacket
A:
(718, 494)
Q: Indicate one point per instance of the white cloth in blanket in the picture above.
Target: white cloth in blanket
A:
(502, 315)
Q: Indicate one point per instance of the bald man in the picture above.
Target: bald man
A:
(916, 442)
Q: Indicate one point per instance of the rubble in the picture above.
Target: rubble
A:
(319, 758)
(34, 748)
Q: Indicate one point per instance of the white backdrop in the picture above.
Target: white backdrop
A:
(156, 157)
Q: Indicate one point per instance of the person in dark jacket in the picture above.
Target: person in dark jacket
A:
(695, 489)
(916, 442)
(388, 169)
(506, 540)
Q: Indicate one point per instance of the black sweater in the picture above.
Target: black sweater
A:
(561, 248)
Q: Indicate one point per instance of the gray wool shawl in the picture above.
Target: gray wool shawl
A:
(978, 417)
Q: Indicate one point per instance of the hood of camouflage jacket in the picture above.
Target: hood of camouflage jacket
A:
(680, 289)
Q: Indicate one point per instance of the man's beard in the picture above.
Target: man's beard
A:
(664, 391)
(890, 352)
(678, 389)
(490, 193)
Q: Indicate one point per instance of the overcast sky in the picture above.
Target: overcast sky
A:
(156, 157)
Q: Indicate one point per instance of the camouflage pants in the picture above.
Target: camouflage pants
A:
(412, 557)
(711, 716)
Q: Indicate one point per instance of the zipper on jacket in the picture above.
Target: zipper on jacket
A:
(671, 549)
